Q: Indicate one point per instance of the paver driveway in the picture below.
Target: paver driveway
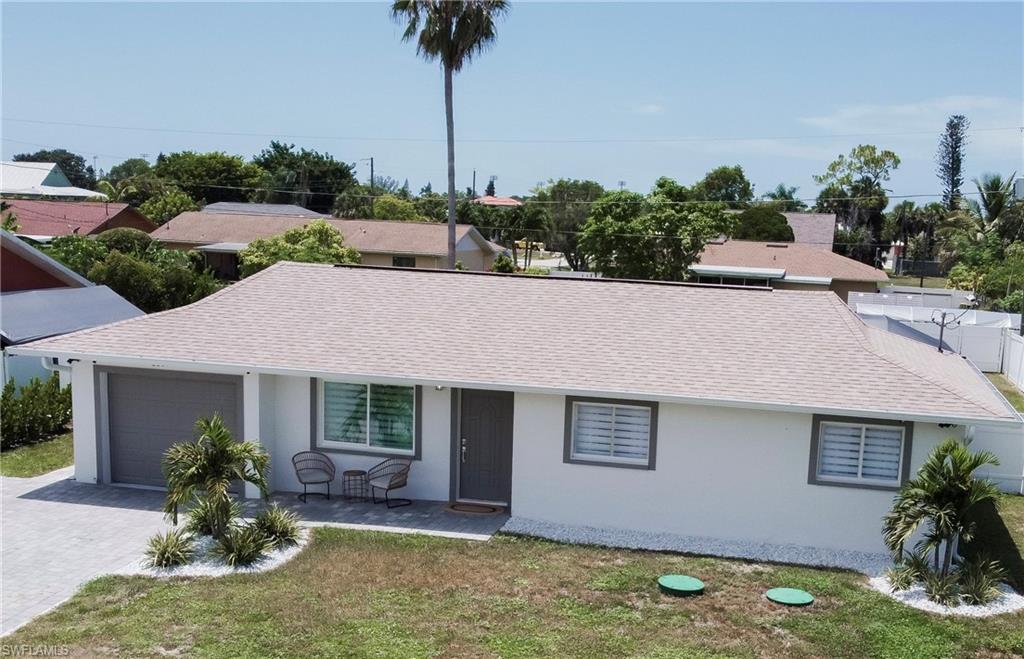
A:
(56, 534)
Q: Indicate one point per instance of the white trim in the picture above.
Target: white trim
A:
(860, 480)
(807, 279)
(738, 271)
(241, 369)
(321, 420)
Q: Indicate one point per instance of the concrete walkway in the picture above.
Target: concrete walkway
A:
(58, 534)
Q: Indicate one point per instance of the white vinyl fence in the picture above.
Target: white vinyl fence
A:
(1013, 358)
(1008, 445)
(977, 335)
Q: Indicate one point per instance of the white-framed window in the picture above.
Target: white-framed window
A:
(860, 453)
(613, 433)
(380, 418)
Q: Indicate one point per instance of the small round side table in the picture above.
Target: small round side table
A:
(353, 485)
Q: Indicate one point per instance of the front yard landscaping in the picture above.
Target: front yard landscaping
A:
(355, 593)
(36, 459)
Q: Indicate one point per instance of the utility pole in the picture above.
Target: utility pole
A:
(939, 317)
(474, 184)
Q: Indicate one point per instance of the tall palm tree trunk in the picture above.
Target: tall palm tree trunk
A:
(450, 120)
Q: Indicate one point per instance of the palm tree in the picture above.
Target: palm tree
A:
(940, 497)
(786, 195)
(116, 192)
(453, 32)
(995, 194)
(206, 468)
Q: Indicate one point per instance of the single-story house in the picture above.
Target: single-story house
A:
(35, 180)
(785, 266)
(745, 414)
(40, 297)
(492, 200)
(247, 208)
(43, 219)
(379, 242)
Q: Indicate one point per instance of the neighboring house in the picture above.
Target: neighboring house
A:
(40, 297)
(379, 242)
(746, 415)
(490, 200)
(259, 209)
(785, 265)
(42, 220)
(35, 180)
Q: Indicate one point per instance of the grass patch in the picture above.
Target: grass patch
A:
(911, 280)
(363, 594)
(1008, 390)
(39, 458)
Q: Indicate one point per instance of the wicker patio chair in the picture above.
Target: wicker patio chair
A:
(392, 474)
(313, 468)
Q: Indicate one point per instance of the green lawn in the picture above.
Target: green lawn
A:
(363, 594)
(910, 280)
(36, 459)
(1007, 388)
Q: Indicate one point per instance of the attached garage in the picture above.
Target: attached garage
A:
(148, 411)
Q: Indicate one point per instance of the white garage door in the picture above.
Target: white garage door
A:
(149, 411)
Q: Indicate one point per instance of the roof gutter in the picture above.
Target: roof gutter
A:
(139, 361)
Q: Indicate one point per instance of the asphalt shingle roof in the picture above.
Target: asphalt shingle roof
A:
(745, 347)
(795, 258)
(379, 236)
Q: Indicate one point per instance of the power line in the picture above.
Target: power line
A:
(498, 140)
(661, 202)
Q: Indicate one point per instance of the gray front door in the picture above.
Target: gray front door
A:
(485, 446)
(148, 411)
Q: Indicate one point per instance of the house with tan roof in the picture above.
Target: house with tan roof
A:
(42, 220)
(792, 266)
(379, 242)
(681, 410)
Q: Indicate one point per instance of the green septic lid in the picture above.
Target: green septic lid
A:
(680, 585)
(790, 596)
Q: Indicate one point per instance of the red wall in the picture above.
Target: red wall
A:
(17, 274)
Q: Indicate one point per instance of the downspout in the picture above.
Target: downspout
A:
(49, 365)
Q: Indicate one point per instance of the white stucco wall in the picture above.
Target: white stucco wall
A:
(83, 412)
(723, 473)
(289, 400)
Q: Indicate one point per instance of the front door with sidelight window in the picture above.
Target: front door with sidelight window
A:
(484, 446)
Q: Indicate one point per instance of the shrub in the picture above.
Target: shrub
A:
(503, 263)
(39, 410)
(205, 516)
(126, 240)
(979, 579)
(901, 577)
(80, 253)
(941, 588)
(279, 526)
(243, 545)
(168, 549)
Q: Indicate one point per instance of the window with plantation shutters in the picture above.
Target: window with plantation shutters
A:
(373, 416)
(860, 453)
(612, 433)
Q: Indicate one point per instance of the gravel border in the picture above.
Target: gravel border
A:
(1009, 602)
(206, 565)
(864, 562)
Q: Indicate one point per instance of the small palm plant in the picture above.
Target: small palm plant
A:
(206, 468)
(939, 499)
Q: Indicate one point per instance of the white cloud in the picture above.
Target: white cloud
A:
(648, 108)
(906, 122)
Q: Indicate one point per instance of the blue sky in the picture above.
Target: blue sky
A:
(654, 87)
